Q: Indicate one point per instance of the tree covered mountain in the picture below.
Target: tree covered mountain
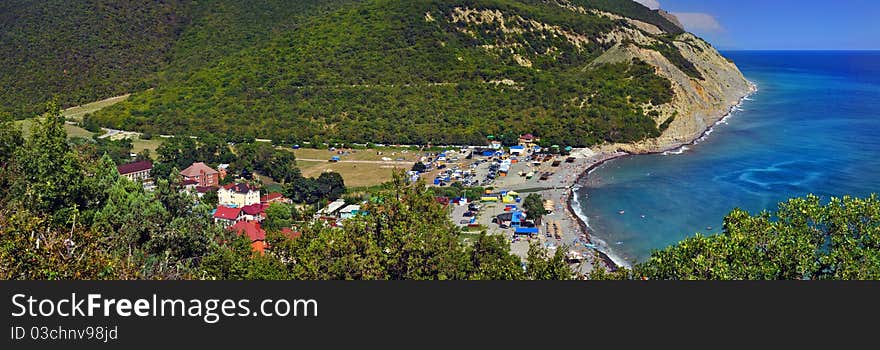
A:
(389, 71)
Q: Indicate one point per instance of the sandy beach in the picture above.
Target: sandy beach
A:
(575, 235)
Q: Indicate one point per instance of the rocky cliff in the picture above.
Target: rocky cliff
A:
(697, 103)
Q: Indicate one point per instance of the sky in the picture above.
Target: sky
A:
(780, 24)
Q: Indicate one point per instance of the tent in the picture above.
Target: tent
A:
(526, 230)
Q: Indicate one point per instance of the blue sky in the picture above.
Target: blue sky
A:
(780, 24)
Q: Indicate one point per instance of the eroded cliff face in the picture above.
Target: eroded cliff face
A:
(697, 103)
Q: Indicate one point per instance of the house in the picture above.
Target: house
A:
(528, 140)
(201, 173)
(332, 208)
(273, 197)
(254, 232)
(189, 185)
(254, 212)
(201, 190)
(238, 195)
(349, 211)
(223, 170)
(495, 145)
(227, 216)
(137, 171)
(290, 233)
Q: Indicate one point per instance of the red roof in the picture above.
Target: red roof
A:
(227, 213)
(135, 167)
(254, 209)
(290, 233)
(197, 169)
(239, 187)
(271, 197)
(251, 229)
(527, 137)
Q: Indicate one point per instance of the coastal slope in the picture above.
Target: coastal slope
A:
(697, 102)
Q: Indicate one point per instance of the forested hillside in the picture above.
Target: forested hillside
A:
(81, 51)
(388, 71)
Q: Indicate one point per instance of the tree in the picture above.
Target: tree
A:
(49, 171)
(331, 186)
(805, 239)
(540, 266)
(534, 206)
(419, 167)
(278, 216)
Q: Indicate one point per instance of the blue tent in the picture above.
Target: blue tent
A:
(488, 153)
(516, 218)
(526, 230)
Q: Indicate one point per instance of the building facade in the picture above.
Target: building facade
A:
(137, 171)
(202, 174)
(238, 195)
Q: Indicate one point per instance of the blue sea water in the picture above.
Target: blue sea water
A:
(813, 127)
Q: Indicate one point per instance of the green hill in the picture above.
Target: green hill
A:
(389, 71)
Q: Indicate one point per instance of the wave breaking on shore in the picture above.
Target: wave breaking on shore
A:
(724, 119)
(574, 202)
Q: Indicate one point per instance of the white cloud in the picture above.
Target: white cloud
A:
(651, 4)
(696, 21)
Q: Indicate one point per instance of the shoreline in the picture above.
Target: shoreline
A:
(609, 263)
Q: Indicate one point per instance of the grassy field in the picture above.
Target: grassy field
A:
(139, 145)
(76, 113)
(354, 174)
(72, 130)
(357, 154)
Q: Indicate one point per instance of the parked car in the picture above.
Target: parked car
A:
(468, 214)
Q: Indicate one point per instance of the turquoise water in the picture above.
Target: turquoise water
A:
(813, 127)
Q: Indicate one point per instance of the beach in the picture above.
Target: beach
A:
(561, 187)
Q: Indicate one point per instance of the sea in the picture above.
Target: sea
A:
(813, 127)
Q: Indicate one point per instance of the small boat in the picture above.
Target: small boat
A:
(621, 212)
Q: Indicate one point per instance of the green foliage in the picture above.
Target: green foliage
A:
(805, 239)
(534, 206)
(667, 48)
(278, 216)
(326, 187)
(180, 152)
(541, 267)
(419, 166)
(82, 51)
(278, 164)
(456, 190)
(47, 168)
(377, 71)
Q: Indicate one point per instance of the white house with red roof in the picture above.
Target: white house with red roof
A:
(238, 195)
(227, 216)
(254, 212)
